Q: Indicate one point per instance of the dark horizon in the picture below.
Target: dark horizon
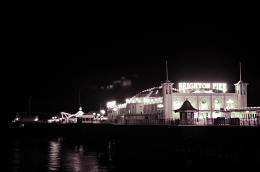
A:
(56, 52)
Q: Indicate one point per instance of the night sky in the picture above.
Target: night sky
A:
(59, 48)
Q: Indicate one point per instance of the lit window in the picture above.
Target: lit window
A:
(230, 103)
(204, 104)
(217, 104)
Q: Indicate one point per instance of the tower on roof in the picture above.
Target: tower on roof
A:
(167, 97)
(241, 90)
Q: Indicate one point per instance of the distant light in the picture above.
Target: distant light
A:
(110, 86)
(104, 118)
(111, 104)
(127, 100)
(160, 106)
(36, 119)
(102, 111)
(115, 109)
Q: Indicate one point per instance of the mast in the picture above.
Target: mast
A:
(80, 108)
(166, 68)
(240, 72)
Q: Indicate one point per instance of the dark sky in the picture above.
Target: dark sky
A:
(59, 48)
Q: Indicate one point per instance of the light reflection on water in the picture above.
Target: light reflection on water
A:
(54, 155)
(16, 158)
(76, 160)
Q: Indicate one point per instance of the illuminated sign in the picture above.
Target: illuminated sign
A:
(201, 85)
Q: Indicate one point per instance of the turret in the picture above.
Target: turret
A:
(241, 90)
(167, 97)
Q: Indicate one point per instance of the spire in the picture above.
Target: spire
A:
(166, 67)
(240, 72)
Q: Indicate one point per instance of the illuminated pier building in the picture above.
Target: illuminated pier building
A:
(211, 101)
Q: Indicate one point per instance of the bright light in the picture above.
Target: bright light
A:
(195, 85)
(230, 101)
(102, 111)
(104, 118)
(36, 119)
(160, 106)
(115, 109)
(111, 104)
(198, 85)
(120, 106)
(220, 86)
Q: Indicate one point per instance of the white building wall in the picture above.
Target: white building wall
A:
(167, 100)
(205, 102)
(241, 90)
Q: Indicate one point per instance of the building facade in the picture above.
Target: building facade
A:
(212, 100)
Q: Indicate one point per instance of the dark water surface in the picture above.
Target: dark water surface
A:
(57, 154)
(132, 148)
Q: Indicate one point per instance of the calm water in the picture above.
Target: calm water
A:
(135, 149)
(58, 154)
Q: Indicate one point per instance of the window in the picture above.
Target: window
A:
(217, 104)
(203, 104)
(230, 103)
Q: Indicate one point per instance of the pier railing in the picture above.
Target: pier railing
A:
(199, 122)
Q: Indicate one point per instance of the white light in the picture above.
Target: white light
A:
(102, 111)
(111, 104)
(198, 85)
(115, 109)
(160, 106)
(121, 105)
(36, 119)
(230, 101)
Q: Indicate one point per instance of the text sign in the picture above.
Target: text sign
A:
(202, 85)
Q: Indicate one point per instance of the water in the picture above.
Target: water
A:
(58, 154)
(136, 148)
